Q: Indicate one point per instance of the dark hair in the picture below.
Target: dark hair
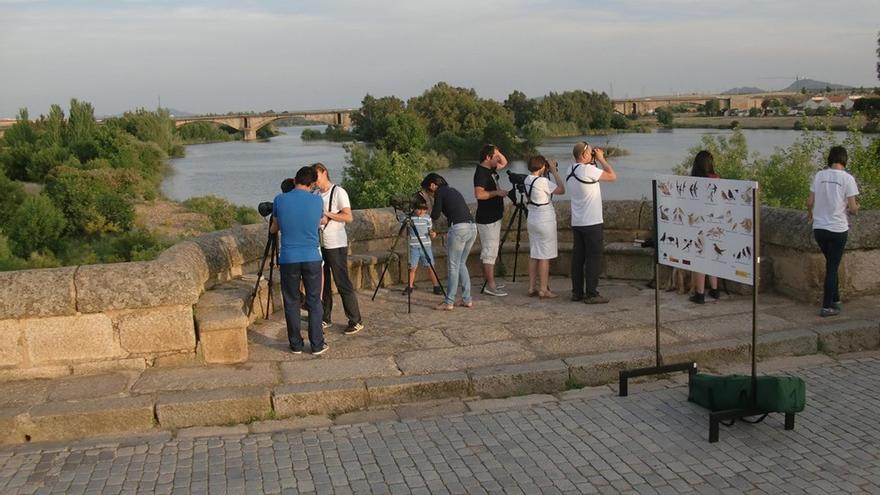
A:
(287, 185)
(306, 176)
(704, 164)
(837, 154)
(487, 151)
(418, 202)
(433, 178)
(537, 163)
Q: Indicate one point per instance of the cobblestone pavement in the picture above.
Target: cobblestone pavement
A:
(651, 442)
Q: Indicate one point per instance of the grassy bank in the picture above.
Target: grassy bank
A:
(786, 122)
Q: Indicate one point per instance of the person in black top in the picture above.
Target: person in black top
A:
(490, 209)
(460, 238)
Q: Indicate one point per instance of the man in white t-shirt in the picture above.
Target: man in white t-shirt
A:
(334, 250)
(582, 183)
(832, 195)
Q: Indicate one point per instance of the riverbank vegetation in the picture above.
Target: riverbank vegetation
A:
(86, 178)
(785, 175)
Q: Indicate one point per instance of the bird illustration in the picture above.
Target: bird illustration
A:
(664, 188)
(664, 213)
(713, 189)
(698, 244)
(663, 239)
(678, 215)
(687, 245)
(693, 190)
(694, 219)
(747, 225)
(747, 196)
(718, 251)
(715, 233)
(723, 195)
(730, 195)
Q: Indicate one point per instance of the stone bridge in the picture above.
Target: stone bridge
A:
(249, 123)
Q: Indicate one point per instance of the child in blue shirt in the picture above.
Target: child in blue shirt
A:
(422, 223)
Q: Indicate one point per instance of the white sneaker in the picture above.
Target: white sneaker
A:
(500, 286)
(497, 292)
(325, 325)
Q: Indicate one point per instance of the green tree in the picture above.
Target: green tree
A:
(711, 108)
(373, 177)
(664, 116)
(369, 121)
(619, 121)
(524, 109)
(81, 131)
(11, 195)
(20, 144)
(36, 225)
(754, 112)
(403, 132)
(90, 205)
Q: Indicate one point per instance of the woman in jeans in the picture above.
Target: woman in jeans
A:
(832, 195)
(540, 189)
(460, 238)
(704, 166)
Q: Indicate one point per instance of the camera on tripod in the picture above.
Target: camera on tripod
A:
(265, 208)
(405, 203)
(518, 181)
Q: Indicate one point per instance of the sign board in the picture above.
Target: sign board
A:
(706, 225)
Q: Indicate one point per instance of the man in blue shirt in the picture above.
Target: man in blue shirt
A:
(297, 215)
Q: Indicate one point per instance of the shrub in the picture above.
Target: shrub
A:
(90, 205)
(664, 116)
(36, 225)
(619, 121)
(373, 177)
(221, 212)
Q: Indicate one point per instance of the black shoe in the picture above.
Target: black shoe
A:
(577, 297)
(354, 328)
(322, 350)
(714, 293)
(596, 299)
(698, 298)
(438, 290)
(296, 350)
(836, 305)
(829, 312)
(408, 291)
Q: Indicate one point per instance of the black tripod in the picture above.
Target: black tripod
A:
(270, 253)
(404, 223)
(519, 211)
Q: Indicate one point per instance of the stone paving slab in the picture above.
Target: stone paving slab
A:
(90, 387)
(65, 420)
(206, 377)
(212, 407)
(321, 370)
(419, 362)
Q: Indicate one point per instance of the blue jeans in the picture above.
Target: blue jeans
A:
(458, 246)
(310, 274)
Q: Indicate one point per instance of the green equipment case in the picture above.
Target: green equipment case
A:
(783, 394)
(720, 393)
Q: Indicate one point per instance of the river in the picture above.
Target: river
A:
(247, 173)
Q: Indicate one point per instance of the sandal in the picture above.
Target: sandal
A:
(465, 304)
(444, 307)
(534, 293)
(546, 294)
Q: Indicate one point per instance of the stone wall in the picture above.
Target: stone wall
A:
(191, 302)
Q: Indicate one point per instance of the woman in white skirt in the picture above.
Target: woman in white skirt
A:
(541, 184)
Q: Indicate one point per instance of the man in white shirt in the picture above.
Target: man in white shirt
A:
(334, 250)
(582, 183)
(832, 195)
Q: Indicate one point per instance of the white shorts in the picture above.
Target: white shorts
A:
(490, 236)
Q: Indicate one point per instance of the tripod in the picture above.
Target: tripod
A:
(518, 213)
(270, 253)
(406, 222)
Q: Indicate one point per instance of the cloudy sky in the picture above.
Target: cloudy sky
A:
(223, 55)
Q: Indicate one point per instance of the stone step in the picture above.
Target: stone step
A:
(257, 392)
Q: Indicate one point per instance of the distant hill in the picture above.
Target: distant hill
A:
(180, 113)
(813, 85)
(745, 90)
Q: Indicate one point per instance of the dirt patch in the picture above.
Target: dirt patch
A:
(170, 219)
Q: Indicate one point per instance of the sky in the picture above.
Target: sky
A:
(221, 56)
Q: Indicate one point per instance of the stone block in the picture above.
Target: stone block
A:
(599, 369)
(289, 424)
(35, 293)
(10, 425)
(319, 398)
(463, 357)
(520, 379)
(222, 334)
(416, 388)
(622, 260)
(128, 364)
(11, 348)
(370, 416)
(325, 370)
(65, 339)
(68, 420)
(35, 373)
(788, 343)
(708, 353)
(848, 336)
(24, 392)
(143, 284)
(206, 377)
(88, 387)
(153, 330)
(222, 406)
(586, 393)
(863, 272)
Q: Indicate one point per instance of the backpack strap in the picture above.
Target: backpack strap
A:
(582, 181)
(529, 193)
(330, 203)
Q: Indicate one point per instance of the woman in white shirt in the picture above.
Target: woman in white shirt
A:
(540, 185)
(832, 195)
